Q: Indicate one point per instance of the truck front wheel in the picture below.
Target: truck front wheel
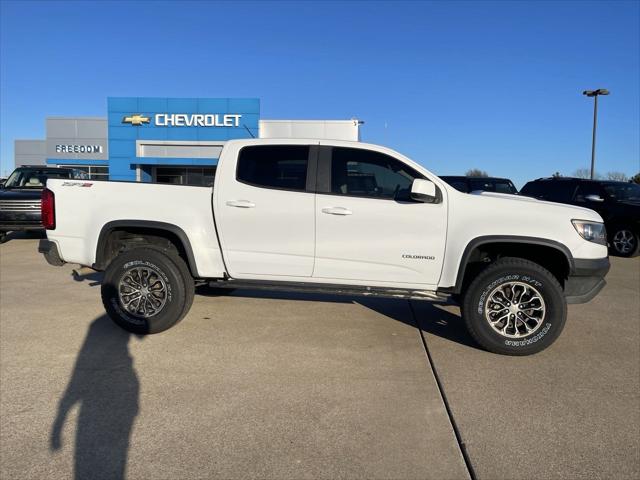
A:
(147, 290)
(514, 307)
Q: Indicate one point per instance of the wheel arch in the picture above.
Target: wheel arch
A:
(480, 250)
(105, 249)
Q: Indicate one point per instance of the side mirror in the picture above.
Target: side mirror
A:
(424, 191)
(594, 198)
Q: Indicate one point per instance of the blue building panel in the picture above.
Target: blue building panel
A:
(207, 105)
(122, 104)
(152, 104)
(182, 105)
(122, 148)
(141, 114)
(244, 105)
(77, 161)
(122, 133)
(182, 133)
(178, 161)
(211, 134)
(155, 134)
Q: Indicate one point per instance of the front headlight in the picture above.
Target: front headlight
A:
(591, 231)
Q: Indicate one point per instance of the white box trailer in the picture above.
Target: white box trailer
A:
(348, 130)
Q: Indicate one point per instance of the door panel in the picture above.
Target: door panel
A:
(268, 229)
(381, 241)
(367, 227)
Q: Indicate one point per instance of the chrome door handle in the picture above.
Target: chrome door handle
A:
(337, 211)
(241, 203)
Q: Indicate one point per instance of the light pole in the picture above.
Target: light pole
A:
(595, 94)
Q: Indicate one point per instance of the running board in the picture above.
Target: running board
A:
(335, 289)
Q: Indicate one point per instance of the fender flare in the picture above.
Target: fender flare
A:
(108, 227)
(478, 241)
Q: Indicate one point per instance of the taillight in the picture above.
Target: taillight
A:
(48, 209)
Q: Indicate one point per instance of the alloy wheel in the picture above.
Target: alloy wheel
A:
(515, 309)
(624, 242)
(142, 292)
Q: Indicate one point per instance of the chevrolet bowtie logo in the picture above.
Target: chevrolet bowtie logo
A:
(136, 119)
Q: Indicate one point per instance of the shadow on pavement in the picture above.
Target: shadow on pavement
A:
(94, 278)
(423, 315)
(105, 387)
(434, 319)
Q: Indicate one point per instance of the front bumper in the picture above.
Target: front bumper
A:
(51, 254)
(586, 279)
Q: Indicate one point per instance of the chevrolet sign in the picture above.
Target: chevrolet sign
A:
(197, 120)
(136, 119)
(186, 120)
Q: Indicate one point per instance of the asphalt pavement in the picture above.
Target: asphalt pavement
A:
(262, 385)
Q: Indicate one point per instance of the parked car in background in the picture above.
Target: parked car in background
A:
(484, 184)
(334, 217)
(20, 196)
(617, 202)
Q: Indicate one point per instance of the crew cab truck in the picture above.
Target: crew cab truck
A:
(330, 216)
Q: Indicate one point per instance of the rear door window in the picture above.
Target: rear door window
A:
(281, 167)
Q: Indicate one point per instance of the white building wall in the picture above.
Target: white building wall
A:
(29, 152)
(325, 129)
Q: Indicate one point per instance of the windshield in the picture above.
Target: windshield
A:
(505, 187)
(33, 178)
(498, 186)
(623, 191)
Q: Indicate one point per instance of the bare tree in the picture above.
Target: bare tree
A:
(586, 173)
(476, 172)
(617, 176)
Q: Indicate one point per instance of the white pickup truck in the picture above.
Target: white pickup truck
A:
(330, 216)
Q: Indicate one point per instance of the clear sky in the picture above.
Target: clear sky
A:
(454, 85)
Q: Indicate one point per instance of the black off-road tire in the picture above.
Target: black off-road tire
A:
(178, 283)
(505, 271)
(3, 237)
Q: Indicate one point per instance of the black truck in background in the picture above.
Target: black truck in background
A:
(20, 196)
(480, 184)
(618, 203)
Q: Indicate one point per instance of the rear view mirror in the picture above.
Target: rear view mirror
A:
(594, 198)
(424, 191)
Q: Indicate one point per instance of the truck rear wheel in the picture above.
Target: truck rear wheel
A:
(514, 307)
(147, 290)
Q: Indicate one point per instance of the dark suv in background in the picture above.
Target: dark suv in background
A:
(20, 196)
(617, 202)
(485, 184)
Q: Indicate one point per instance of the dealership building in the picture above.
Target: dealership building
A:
(164, 140)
